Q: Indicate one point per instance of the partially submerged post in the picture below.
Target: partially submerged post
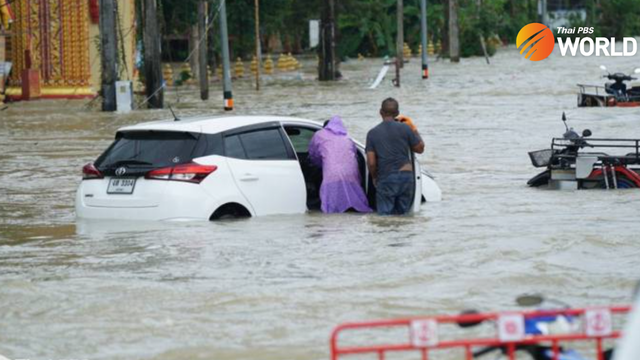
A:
(327, 52)
(454, 40)
(226, 65)
(258, 52)
(399, 42)
(202, 50)
(400, 34)
(109, 54)
(152, 68)
(423, 32)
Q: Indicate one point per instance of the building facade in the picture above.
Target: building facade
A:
(6, 18)
(59, 41)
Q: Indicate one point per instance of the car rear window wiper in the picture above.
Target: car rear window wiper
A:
(127, 162)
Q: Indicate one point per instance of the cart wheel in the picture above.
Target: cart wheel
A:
(622, 181)
(626, 184)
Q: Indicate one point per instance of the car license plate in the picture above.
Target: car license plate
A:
(121, 186)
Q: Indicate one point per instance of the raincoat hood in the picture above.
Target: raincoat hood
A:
(336, 126)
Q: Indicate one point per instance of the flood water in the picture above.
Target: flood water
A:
(274, 287)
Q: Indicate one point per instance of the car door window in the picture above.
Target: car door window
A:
(233, 147)
(258, 143)
(264, 145)
(300, 138)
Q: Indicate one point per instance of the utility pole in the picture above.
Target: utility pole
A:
(211, 33)
(226, 65)
(327, 48)
(108, 43)
(454, 39)
(545, 17)
(444, 31)
(202, 50)
(400, 34)
(399, 42)
(152, 66)
(423, 32)
(258, 52)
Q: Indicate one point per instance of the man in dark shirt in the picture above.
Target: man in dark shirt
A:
(389, 147)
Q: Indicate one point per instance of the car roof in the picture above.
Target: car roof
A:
(214, 124)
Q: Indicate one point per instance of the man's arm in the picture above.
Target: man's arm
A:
(372, 164)
(419, 148)
(417, 145)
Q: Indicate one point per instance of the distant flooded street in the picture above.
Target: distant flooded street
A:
(274, 287)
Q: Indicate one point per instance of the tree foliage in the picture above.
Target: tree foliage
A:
(369, 26)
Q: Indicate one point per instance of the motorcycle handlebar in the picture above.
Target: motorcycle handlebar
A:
(581, 142)
(621, 77)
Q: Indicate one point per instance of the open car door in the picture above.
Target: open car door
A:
(417, 175)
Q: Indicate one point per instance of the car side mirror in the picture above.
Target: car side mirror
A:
(586, 133)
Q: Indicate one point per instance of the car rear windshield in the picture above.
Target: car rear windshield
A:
(154, 149)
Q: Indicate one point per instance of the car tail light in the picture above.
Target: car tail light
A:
(90, 172)
(191, 172)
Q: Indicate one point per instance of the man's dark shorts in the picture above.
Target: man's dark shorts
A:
(394, 193)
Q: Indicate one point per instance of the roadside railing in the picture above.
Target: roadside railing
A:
(598, 89)
(424, 335)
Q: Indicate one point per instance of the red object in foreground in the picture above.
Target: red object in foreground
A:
(424, 332)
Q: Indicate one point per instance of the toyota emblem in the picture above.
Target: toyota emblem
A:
(121, 171)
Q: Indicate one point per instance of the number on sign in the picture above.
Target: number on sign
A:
(598, 322)
(424, 333)
(511, 327)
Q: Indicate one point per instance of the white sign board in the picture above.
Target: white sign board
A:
(598, 322)
(424, 333)
(314, 33)
(511, 327)
(5, 68)
(123, 96)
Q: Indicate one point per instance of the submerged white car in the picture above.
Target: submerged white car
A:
(207, 168)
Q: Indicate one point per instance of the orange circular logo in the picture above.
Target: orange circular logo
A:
(537, 39)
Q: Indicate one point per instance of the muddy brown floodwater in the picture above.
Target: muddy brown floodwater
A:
(274, 287)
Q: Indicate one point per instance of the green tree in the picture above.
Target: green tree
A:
(618, 18)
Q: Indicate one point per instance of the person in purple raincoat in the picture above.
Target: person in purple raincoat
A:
(333, 151)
